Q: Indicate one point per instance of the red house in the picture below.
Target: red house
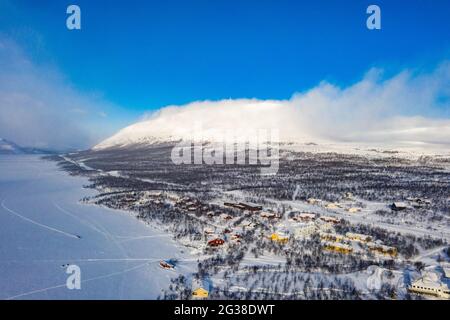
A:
(216, 242)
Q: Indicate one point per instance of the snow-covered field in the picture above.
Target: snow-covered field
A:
(43, 227)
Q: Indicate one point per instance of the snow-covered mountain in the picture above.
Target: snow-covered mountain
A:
(146, 133)
(233, 120)
(290, 122)
(139, 133)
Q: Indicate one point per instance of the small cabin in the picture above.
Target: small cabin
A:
(166, 265)
(278, 238)
(358, 237)
(330, 219)
(200, 293)
(200, 289)
(225, 216)
(305, 216)
(313, 201)
(398, 206)
(333, 205)
(249, 207)
(216, 242)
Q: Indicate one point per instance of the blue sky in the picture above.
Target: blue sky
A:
(147, 54)
(143, 55)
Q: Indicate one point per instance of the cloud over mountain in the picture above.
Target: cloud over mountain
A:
(411, 107)
(40, 108)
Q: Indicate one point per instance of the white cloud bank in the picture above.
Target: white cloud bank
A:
(39, 108)
(410, 108)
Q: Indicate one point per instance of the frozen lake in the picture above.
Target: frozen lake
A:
(40, 221)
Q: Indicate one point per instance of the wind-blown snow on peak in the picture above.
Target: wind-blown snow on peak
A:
(407, 109)
(226, 120)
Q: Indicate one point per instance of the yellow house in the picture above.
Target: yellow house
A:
(382, 249)
(332, 206)
(337, 247)
(200, 288)
(200, 293)
(278, 238)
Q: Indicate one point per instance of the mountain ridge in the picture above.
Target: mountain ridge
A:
(8, 147)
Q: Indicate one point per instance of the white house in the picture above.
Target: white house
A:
(431, 285)
(305, 216)
(314, 201)
(330, 219)
(358, 237)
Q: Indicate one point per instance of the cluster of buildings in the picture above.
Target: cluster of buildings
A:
(253, 210)
(347, 204)
(157, 197)
(270, 215)
(192, 205)
(342, 243)
(431, 284)
(380, 249)
(419, 202)
(243, 206)
(220, 231)
(305, 224)
(411, 203)
(130, 200)
(301, 225)
(226, 235)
